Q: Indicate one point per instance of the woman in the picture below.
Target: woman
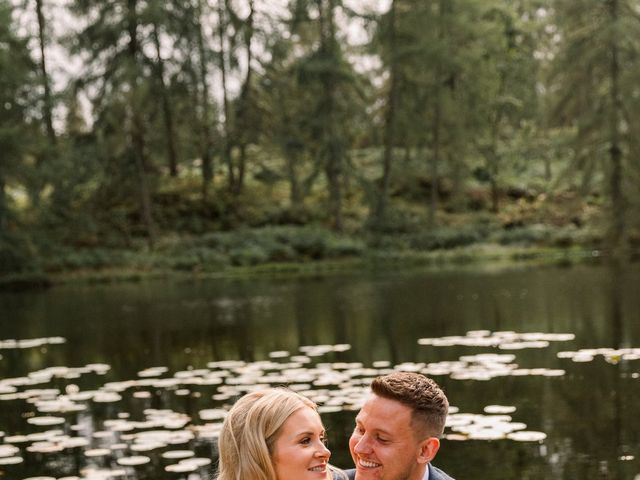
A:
(274, 434)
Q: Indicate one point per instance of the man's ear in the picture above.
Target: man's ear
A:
(428, 449)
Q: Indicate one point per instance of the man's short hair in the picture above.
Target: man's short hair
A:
(426, 399)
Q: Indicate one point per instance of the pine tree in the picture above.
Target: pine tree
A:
(118, 67)
(18, 80)
(594, 82)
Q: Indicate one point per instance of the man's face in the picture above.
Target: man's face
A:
(384, 445)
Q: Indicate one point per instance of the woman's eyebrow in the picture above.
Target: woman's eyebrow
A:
(309, 432)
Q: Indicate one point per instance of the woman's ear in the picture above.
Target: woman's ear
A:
(428, 449)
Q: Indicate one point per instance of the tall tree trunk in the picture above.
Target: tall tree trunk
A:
(207, 143)
(3, 206)
(242, 122)
(242, 165)
(227, 146)
(167, 112)
(587, 178)
(295, 191)
(435, 160)
(290, 152)
(548, 174)
(332, 149)
(137, 127)
(390, 119)
(492, 167)
(456, 160)
(48, 102)
(617, 228)
(143, 185)
(436, 127)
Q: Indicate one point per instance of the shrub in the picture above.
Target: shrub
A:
(86, 258)
(187, 262)
(528, 235)
(395, 221)
(307, 242)
(345, 247)
(15, 254)
(248, 255)
(445, 238)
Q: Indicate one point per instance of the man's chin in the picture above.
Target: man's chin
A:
(365, 476)
(366, 473)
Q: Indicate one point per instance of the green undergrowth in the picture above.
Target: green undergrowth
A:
(283, 250)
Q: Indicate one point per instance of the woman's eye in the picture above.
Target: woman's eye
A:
(325, 441)
(305, 441)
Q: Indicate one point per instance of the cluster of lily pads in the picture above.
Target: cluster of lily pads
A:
(486, 366)
(504, 340)
(611, 355)
(30, 343)
(494, 424)
(162, 438)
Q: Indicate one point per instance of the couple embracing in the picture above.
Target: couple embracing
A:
(277, 434)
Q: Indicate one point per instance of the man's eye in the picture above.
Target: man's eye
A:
(358, 429)
(383, 440)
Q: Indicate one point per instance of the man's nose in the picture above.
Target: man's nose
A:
(363, 445)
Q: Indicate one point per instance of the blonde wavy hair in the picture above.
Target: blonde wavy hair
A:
(250, 431)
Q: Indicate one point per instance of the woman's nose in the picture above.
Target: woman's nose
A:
(323, 451)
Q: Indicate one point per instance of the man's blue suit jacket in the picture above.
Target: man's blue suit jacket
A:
(434, 474)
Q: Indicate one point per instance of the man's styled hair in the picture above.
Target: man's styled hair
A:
(426, 399)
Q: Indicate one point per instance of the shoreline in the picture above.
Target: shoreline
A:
(477, 256)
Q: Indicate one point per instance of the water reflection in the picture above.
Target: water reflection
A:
(587, 414)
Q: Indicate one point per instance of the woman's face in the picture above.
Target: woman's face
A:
(299, 452)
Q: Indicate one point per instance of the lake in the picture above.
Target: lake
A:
(131, 380)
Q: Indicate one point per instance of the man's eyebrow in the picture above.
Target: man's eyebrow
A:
(379, 430)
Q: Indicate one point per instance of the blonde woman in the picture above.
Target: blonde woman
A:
(274, 434)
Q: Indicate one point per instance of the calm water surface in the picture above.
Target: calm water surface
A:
(590, 414)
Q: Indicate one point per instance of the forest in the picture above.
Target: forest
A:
(200, 135)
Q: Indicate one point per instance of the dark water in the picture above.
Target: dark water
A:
(590, 414)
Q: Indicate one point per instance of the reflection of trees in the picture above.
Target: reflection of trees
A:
(302, 314)
(588, 415)
(616, 296)
(341, 310)
(389, 323)
(376, 320)
(587, 408)
(244, 327)
(495, 460)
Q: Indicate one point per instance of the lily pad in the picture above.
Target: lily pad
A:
(527, 436)
(45, 421)
(133, 461)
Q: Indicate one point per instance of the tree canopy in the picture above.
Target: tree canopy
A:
(212, 115)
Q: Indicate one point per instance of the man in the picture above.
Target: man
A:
(398, 428)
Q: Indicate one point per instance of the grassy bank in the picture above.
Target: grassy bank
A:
(288, 250)
(260, 233)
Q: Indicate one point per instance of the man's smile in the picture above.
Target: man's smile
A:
(368, 464)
